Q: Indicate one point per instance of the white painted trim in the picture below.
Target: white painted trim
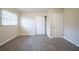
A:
(9, 39)
(71, 41)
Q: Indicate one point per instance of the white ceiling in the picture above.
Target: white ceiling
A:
(32, 9)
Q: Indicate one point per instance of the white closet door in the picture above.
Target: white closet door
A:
(57, 25)
(40, 25)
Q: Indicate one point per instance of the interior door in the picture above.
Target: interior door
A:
(40, 25)
(57, 25)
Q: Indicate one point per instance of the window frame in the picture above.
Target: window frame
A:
(9, 18)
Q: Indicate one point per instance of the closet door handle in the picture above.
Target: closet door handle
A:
(53, 26)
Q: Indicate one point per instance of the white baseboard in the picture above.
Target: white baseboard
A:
(71, 41)
(9, 39)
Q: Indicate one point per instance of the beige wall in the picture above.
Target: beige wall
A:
(35, 14)
(8, 32)
(71, 25)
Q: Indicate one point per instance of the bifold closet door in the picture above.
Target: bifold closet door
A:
(40, 25)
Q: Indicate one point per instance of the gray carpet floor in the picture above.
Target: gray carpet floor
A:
(38, 43)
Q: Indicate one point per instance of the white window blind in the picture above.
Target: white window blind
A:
(9, 18)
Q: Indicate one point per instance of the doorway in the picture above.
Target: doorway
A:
(41, 25)
(45, 25)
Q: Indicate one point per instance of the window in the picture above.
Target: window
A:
(9, 18)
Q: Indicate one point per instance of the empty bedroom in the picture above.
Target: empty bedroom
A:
(39, 29)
